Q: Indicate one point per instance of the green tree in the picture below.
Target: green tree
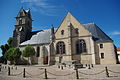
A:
(13, 55)
(16, 55)
(5, 48)
(9, 41)
(29, 51)
(9, 55)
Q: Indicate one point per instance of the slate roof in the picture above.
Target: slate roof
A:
(97, 33)
(43, 36)
(39, 37)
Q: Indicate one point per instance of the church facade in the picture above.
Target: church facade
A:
(70, 42)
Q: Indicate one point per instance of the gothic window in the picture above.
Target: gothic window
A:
(80, 46)
(38, 51)
(60, 48)
(101, 45)
(102, 55)
(62, 32)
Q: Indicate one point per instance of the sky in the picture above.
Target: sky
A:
(104, 13)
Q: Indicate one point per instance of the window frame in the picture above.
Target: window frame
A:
(102, 55)
(101, 45)
(60, 45)
(62, 32)
(81, 46)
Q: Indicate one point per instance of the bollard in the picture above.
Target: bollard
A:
(46, 74)
(77, 76)
(8, 71)
(24, 73)
(5, 67)
(89, 66)
(16, 67)
(62, 67)
(86, 65)
(58, 66)
(107, 74)
(92, 65)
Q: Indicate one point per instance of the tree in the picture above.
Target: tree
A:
(5, 48)
(16, 55)
(29, 51)
(2, 59)
(9, 55)
(13, 54)
(9, 41)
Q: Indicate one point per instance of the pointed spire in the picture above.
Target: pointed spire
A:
(52, 29)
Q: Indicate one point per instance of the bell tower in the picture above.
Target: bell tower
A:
(23, 27)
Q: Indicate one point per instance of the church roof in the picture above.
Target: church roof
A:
(41, 37)
(97, 33)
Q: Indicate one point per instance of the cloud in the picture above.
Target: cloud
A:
(42, 6)
(115, 33)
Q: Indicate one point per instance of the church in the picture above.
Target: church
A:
(70, 42)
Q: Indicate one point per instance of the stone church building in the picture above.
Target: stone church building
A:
(71, 41)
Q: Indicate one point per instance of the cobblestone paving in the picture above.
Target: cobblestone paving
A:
(37, 72)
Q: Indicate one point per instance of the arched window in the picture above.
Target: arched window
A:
(60, 48)
(38, 51)
(80, 46)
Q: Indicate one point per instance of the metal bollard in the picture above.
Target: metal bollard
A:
(58, 66)
(77, 76)
(24, 73)
(107, 74)
(8, 71)
(92, 65)
(46, 74)
(62, 67)
(89, 66)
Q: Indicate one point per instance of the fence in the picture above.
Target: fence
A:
(45, 72)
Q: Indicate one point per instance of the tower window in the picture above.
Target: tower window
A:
(62, 32)
(20, 21)
(102, 55)
(101, 45)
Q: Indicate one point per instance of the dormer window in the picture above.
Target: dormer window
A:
(62, 32)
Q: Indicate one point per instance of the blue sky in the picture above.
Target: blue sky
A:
(104, 13)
